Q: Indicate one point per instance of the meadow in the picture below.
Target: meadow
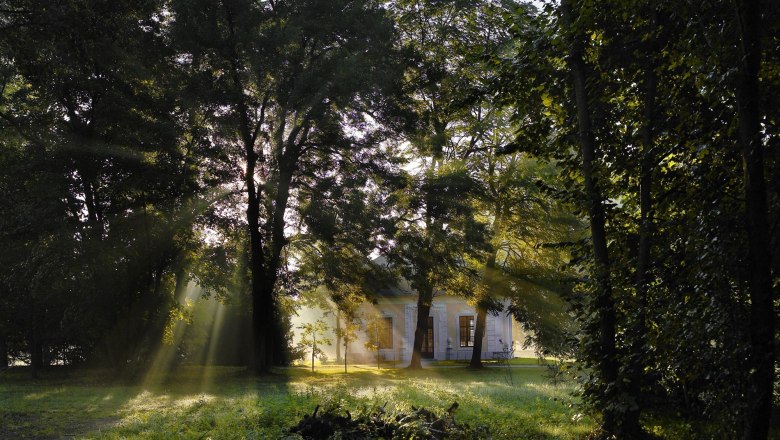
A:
(227, 403)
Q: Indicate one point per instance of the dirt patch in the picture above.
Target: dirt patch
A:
(17, 425)
(84, 427)
(22, 426)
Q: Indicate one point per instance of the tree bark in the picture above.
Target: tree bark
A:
(762, 312)
(479, 334)
(424, 301)
(607, 364)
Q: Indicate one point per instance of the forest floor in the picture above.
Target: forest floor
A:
(226, 402)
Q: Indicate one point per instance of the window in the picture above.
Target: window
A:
(386, 332)
(466, 331)
(427, 346)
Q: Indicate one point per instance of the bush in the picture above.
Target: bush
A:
(420, 423)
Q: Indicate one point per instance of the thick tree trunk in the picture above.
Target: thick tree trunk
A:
(607, 366)
(262, 274)
(424, 301)
(265, 272)
(762, 312)
(479, 334)
(260, 297)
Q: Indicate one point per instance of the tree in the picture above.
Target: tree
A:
(348, 334)
(435, 226)
(95, 108)
(293, 72)
(314, 334)
(376, 329)
(607, 352)
(529, 233)
(664, 116)
(762, 313)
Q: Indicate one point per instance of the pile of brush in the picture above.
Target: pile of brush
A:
(420, 423)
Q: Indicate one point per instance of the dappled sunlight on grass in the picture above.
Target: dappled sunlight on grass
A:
(239, 405)
(44, 394)
(145, 402)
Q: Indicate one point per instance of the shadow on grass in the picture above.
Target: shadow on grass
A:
(235, 403)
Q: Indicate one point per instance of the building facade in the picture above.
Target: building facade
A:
(450, 335)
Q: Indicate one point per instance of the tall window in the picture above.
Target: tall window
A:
(466, 331)
(386, 332)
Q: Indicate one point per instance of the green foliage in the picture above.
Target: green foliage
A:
(374, 326)
(694, 318)
(99, 180)
(313, 336)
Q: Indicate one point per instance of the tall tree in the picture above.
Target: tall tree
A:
(290, 73)
(436, 229)
(762, 313)
(605, 304)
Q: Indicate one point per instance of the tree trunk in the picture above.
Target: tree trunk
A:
(313, 351)
(260, 302)
(607, 365)
(647, 163)
(263, 275)
(267, 327)
(479, 334)
(489, 280)
(338, 335)
(36, 353)
(346, 347)
(424, 301)
(3, 353)
(762, 312)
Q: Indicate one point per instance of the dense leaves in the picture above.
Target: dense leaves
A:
(661, 95)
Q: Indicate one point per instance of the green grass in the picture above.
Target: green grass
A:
(516, 361)
(226, 403)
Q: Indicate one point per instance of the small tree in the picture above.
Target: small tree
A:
(374, 325)
(313, 334)
(347, 333)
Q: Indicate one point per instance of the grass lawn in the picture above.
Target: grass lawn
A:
(224, 403)
(515, 361)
